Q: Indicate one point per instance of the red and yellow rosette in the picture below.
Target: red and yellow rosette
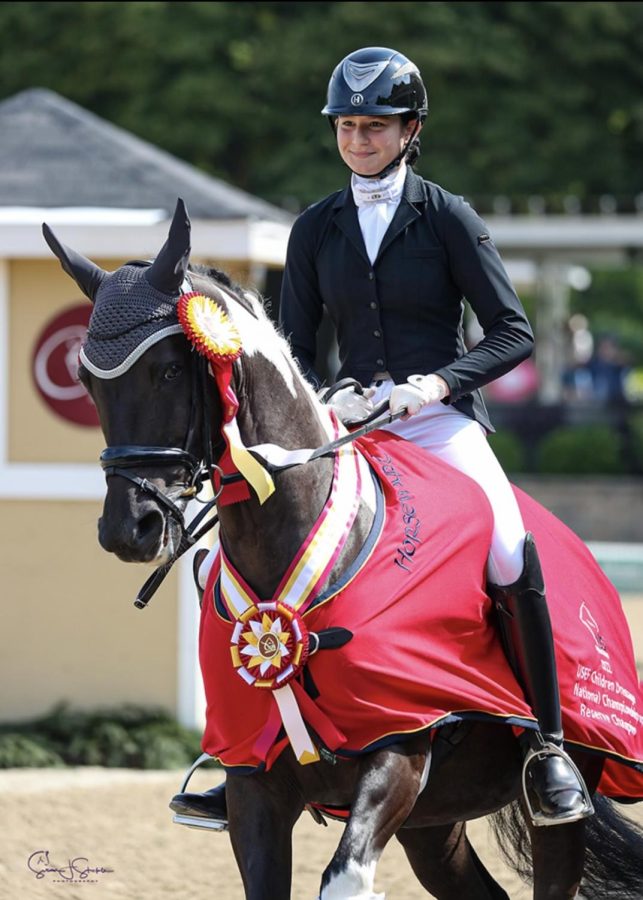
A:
(269, 645)
(209, 328)
(215, 336)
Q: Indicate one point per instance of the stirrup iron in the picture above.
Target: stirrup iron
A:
(537, 817)
(197, 821)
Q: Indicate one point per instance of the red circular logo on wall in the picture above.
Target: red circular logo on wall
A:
(54, 366)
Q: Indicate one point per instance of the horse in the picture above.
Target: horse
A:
(162, 416)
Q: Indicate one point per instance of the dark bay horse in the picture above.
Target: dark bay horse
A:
(150, 391)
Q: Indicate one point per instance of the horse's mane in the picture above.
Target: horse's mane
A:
(250, 299)
(217, 275)
(260, 333)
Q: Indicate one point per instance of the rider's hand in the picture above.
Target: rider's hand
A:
(418, 391)
(349, 406)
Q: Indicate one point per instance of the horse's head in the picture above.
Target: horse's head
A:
(139, 369)
(156, 399)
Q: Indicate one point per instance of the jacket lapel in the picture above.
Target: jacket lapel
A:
(414, 192)
(347, 221)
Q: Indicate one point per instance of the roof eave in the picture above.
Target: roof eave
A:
(116, 234)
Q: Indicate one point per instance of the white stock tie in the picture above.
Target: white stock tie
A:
(376, 201)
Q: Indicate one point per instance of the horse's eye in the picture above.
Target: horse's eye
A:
(173, 371)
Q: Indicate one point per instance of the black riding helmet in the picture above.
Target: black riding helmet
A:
(377, 81)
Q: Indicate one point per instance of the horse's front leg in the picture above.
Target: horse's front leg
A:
(388, 786)
(261, 818)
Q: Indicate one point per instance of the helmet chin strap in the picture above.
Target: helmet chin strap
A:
(397, 160)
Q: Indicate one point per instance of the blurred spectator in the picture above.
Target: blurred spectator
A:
(577, 382)
(600, 376)
(582, 342)
(608, 369)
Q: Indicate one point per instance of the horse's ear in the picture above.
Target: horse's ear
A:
(87, 275)
(168, 270)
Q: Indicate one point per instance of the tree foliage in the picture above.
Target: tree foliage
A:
(525, 98)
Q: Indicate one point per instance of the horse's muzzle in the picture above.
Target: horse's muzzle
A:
(137, 531)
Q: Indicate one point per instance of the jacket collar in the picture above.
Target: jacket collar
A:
(346, 214)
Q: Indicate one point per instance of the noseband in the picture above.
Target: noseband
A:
(118, 460)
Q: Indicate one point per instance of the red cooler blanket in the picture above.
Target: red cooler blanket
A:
(424, 646)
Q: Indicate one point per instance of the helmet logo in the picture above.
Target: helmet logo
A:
(357, 99)
(359, 75)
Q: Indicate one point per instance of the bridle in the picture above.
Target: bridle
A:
(121, 459)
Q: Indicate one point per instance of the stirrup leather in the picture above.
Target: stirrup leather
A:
(537, 817)
(198, 821)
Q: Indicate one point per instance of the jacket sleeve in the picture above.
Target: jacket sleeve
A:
(301, 306)
(478, 271)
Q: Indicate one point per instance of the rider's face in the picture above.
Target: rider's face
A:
(367, 144)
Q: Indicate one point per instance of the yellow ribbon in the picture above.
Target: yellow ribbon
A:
(257, 477)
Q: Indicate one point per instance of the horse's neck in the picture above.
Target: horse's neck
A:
(262, 540)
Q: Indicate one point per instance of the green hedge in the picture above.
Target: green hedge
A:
(129, 737)
(636, 428)
(591, 449)
(509, 450)
(581, 450)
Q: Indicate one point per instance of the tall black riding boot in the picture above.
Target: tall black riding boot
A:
(549, 775)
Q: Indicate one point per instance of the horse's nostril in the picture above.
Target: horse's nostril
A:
(149, 529)
(132, 539)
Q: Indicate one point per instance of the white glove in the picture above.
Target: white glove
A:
(419, 391)
(349, 406)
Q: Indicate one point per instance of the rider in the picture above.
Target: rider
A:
(391, 257)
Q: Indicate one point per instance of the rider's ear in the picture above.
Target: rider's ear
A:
(85, 273)
(168, 270)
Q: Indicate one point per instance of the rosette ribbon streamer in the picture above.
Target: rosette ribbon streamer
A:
(269, 644)
(215, 336)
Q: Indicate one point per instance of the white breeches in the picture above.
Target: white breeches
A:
(462, 442)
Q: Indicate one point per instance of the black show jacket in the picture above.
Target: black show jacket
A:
(404, 313)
